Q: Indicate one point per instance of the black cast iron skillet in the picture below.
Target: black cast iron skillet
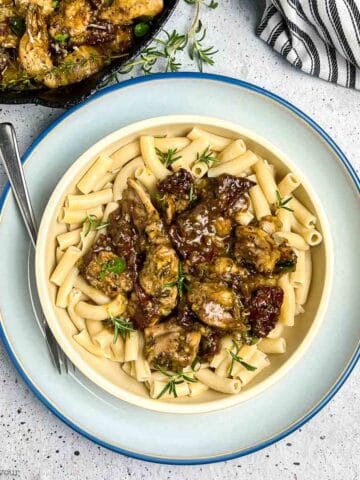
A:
(65, 97)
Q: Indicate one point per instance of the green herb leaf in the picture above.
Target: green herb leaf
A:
(180, 282)
(141, 29)
(61, 37)
(281, 202)
(169, 157)
(17, 25)
(116, 265)
(191, 193)
(55, 3)
(94, 223)
(207, 157)
(122, 326)
(235, 358)
(174, 379)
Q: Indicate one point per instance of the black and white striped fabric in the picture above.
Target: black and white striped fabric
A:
(321, 37)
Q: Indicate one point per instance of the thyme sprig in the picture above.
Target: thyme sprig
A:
(282, 202)
(122, 326)
(235, 358)
(180, 283)
(93, 223)
(168, 157)
(174, 380)
(207, 156)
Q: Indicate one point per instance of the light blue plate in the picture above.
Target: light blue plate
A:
(189, 439)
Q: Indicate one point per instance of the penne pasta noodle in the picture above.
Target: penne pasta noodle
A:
(142, 367)
(67, 261)
(288, 184)
(258, 360)
(97, 170)
(276, 332)
(216, 142)
(311, 236)
(98, 297)
(126, 172)
(74, 298)
(301, 213)
(107, 179)
(287, 312)
(110, 207)
(78, 216)
(293, 239)
(220, 384)
(94, 327)
(59, 254)
(127, 368)
(199, 169)
(118, 349)
(66, 287)
(87, 238)
(151, 158)
(244, 218)
(157, 390)
(103, 340)
(301, 292)
(68, 239)
(237, 166)
(102, 312)
(285, 217)
(84, 340)
(190, 154)
(223, 369)
(233, 150)
(266, 180)
(246, 353)
(147, 178)
(197, 388)
(273, 345)
(259, 202)
(73, 226)
(297, 278)
(174, 143)
(299, 309)
(89, 201)
(132, 346)
(226, 343)
(124, 155)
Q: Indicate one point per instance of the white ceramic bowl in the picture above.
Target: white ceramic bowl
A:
(108, 375)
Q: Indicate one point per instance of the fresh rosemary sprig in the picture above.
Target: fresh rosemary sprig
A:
(207, 156)
(94, 223)
(174, 379)
(235, 358)
(180, 282)
(282, 203)
(212, 3)
(122, 326)
(191, 193)
(116, 265)
(169, 157)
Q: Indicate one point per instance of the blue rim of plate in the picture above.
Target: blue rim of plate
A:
(346, 373)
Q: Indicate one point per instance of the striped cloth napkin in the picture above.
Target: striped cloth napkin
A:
(321, 37)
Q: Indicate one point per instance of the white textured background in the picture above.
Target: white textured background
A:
(35, 445)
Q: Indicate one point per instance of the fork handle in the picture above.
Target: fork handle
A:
(10, 158)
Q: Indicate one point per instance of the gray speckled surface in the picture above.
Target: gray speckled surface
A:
(35, 445)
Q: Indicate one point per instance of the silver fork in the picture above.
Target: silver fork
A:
(9, 154)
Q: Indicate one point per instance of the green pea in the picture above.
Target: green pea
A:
(17, 25)
(141, 29)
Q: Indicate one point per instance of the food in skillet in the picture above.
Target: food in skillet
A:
(184, 259)
(52, 43)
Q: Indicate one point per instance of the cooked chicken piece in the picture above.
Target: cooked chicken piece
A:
(256, 250)
(224, 269)
(126, 11)
(145, 215)
(170, 346)
(7, 37)
(122, 41)
(158, 276)
(270, 224)
(72, 18)
(45, 6)
(99, 269)
(175, 191)
(34, 55)
(288, 259)
(216, 305)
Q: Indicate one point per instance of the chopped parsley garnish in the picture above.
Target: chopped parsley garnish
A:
(235, 358)
(115, 265)
(282, 202)
(169, 157)
(174, 380)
